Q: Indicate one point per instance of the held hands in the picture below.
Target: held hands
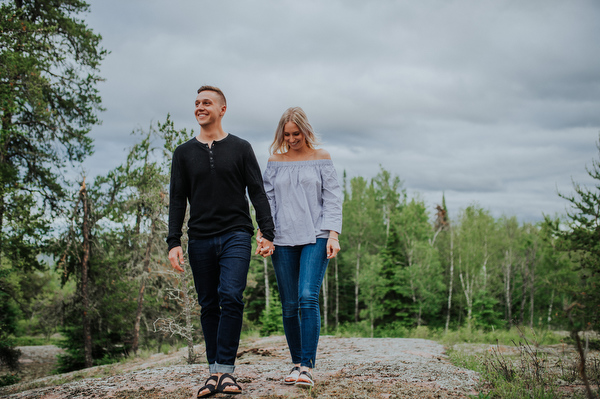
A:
(264, 247)
(176, 258)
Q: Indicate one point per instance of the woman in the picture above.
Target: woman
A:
(306, 203)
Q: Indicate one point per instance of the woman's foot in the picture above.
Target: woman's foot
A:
(293, 376)
(209, 388)
(305, 379)
(227, 384)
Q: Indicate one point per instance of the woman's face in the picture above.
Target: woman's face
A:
(293, 136)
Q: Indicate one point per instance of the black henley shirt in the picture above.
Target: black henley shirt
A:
(214, 181)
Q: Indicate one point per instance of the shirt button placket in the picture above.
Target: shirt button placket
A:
(212, 159)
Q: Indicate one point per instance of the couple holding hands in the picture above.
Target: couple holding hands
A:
(298, 203)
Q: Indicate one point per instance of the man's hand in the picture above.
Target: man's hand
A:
(176, 258)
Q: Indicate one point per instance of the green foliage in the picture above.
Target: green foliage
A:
(349, 329)
(271, 319)
(114, 305)
(27, 340)
(496, 336)
(581, 240)
(507, 377)
(9, 314)
(9, 379)
(395, 329)
(486, 313)
(49, 62)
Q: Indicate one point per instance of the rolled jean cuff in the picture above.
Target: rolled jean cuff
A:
(221, 368)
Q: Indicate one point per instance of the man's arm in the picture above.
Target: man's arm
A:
(177, 208)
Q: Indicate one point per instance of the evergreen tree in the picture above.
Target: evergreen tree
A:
(421, 273)
(49, 62)
(582, 240)
(395, 302)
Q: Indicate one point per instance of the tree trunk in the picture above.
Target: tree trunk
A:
(6, 121)
(356, 286)
(1, 215)
(87, 331)
(451, 279)
(189, 326)
(467, 287)
(337, 294)
(267, 288)
(507, 294)
(325, 302)
(387, 223)
(550, 308)
(531, 288)
(140, 300)
(523, 292)
(372, 314)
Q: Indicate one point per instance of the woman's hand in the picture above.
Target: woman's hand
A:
(333, 245)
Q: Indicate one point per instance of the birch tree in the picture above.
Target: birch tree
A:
(422, 270)
(359, 233)
(472, 238)
(510, 237)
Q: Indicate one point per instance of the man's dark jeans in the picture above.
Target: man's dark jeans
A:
(220, 267)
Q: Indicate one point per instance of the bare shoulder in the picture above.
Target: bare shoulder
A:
(276, 158)
(322, 154)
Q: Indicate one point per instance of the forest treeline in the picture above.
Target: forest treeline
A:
(106, 275)
(88, 259)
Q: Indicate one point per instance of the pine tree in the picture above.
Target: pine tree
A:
(582, 240)
(49, 64)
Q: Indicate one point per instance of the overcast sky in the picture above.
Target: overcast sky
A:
(488, 102)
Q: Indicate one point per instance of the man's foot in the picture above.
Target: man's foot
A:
(209, 389)
(292, 377)
(227, 384)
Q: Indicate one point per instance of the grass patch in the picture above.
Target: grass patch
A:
(9, 379)
(35, 341)
(529, 371)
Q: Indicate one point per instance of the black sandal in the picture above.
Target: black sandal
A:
(222, 385)
(212, 388)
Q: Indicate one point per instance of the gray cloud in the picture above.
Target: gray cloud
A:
(488, 102)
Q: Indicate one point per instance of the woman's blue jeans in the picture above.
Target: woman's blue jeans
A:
(300, 271)
(220, 267)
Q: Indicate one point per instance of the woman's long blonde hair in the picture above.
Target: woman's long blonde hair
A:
(297, 116)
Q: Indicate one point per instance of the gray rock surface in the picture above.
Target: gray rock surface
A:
(346, 367)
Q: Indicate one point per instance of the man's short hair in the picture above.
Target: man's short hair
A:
(216, 90)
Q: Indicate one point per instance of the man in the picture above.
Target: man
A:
(212, 172)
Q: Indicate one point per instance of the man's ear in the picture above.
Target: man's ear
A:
(223, 109)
